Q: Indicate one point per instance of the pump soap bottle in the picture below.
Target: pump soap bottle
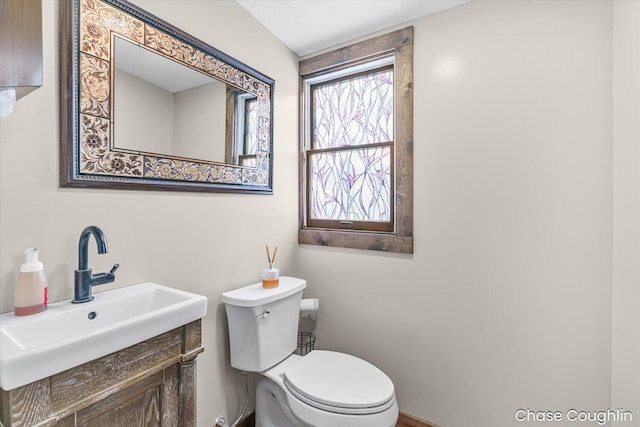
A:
(31, 288)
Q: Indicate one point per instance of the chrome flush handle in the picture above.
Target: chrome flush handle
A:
(263, 315)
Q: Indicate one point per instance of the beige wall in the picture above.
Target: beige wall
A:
(143, 115)
(204, 243)
(199, 128)
(505, 303)
(625, 388)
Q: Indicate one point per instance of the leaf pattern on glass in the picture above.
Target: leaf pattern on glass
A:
(352, 185)
(353, 111)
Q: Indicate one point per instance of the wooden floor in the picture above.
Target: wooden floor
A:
(403, 421)
(408, 421)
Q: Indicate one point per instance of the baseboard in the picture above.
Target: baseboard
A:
(405, 420)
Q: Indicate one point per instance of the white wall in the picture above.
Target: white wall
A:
(204, 243)
(505, 303)
(625, 390)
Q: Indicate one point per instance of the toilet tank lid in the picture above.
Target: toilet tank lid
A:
(255, 295)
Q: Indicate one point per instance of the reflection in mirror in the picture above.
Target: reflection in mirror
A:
(244, 147)
(147, 106)
(162, 107)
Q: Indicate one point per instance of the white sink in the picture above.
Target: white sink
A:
(67, 335)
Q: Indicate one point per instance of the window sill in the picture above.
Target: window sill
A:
(387, 242)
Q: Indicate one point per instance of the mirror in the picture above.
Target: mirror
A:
(146, 106)
(162, 107)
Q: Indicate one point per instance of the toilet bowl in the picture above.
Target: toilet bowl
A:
(320, 389)
(325, 388)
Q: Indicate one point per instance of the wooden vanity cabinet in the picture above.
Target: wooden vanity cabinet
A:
(150, 384)
(21, 45)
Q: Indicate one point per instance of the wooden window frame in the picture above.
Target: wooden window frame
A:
(398, 44)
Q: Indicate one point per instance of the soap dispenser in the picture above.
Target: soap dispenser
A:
(31, 288)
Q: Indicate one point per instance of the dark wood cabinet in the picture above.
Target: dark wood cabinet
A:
(150, 384)
(21, 45)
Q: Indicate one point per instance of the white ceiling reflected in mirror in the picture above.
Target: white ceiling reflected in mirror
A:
(150, 107)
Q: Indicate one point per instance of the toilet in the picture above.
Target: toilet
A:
(320, 389)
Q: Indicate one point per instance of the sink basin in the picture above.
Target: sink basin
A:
(67, 335)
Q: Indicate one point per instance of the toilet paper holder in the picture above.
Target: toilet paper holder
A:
(309, 308)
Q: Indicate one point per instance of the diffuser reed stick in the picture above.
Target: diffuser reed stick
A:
(270, 258)
(268, 254)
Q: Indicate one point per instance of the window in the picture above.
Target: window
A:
(247, 130)
(242, 128)
(356, 141)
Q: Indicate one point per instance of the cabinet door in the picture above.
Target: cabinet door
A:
(135, 406)
(140, 411)
(21, 45)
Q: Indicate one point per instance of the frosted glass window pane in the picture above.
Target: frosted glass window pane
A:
(351, 185)
(353, 111)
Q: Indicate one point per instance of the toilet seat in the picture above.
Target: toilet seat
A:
(339, 383)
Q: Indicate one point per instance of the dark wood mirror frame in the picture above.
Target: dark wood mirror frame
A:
(88, 156)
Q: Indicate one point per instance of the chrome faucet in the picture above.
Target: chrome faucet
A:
(84, 279)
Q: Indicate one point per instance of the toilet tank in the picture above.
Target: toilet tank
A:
(263, 323)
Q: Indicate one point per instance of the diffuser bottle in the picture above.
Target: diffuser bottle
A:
(31, 288)
(270, 276)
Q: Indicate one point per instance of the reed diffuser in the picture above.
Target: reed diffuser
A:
(271, 276)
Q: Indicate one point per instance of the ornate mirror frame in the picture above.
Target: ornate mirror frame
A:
(88, 156)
